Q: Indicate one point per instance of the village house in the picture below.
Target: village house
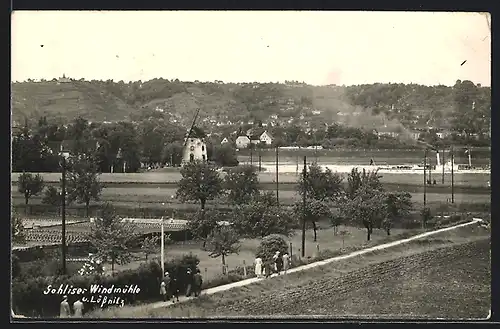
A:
(414, 135)
(266, 138)
(225, 140)
(242, 142)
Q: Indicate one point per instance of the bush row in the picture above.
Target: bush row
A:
(28, 295)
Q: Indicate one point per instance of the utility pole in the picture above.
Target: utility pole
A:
(162, 248)
(442, 178)
(304, 212)
(63, 215)
(430, 171)
(251, 154)
(425, 178)
(277, 174)
(452, 176)
(260, 162)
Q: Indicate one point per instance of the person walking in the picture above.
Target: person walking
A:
(267, 269)
(275, 257)
(166, 283)
(189, 282)
(78, 308)
(258, 267)
(197, 283)
(278, 263)
(163, 290)
(64, 311)
(286, 262)
(174, 288)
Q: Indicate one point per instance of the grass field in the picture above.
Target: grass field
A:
(212, 267)
(143, 195)
(166, 178)
(443, 276)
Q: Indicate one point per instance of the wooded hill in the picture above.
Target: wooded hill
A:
(410, 104)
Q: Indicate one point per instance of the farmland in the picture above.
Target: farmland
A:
(402, 282)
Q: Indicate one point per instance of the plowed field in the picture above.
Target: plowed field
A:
(451, 282)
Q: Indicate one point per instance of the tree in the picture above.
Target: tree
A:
(172, 153)
(269, 245)
(315, 211)
(17, 230)
(200, 182)
(112, 237)
(398, 206)
(367, 206)
(29, 185)
(320, 185)
(242, 183)
(356, 179)
(224, 156)
(52, 197)
(83, 183)
(260, 218)
(150, 245)
(202, 223)
(223, 241)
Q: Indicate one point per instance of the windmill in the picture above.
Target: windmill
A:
(195, 147)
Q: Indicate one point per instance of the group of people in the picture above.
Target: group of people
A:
(279, 263)
(170, 286)
(65, 310)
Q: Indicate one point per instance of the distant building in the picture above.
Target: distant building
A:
(242, 142)
(225, 140)
(415, 135)
(266, 138)
(63, 79)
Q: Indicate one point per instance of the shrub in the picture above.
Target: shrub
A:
(426, 215)
(28, 297)
(269, 245)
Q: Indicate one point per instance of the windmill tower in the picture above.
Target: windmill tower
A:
(195, 147)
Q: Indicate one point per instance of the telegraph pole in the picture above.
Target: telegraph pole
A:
(304, 214)
(425, 178)
(162, 248)
(277, 174)
(63, 216)
(251, 155)
(452, 177)
(442, 178)
(260, 162)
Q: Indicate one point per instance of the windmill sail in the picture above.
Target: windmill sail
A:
(192, 126)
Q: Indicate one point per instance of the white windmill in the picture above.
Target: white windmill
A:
(195, 147)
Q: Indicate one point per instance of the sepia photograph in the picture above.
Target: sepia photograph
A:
(250, 165)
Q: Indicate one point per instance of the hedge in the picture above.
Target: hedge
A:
(28, 296)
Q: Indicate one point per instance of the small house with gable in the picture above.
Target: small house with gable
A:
(242, 141)
(266, 138)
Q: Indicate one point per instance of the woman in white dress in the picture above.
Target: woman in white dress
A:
(258, 267)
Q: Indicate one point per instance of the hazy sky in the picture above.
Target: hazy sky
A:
(316, 47)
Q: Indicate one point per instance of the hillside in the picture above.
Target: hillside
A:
(412, 105)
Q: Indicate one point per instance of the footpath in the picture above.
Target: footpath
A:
(245, 282)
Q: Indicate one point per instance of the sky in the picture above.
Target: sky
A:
(319, 48)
